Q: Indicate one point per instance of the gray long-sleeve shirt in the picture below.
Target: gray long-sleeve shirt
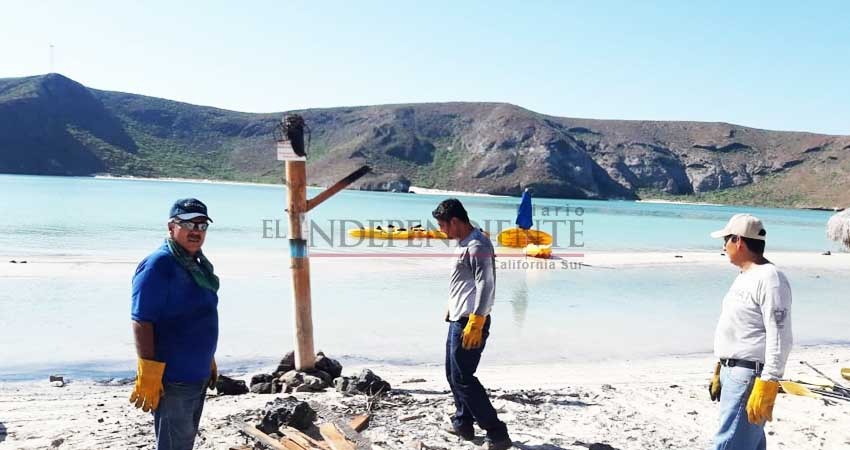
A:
(755, 321)
(473, 284)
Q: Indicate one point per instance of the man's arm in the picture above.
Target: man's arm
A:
(776, 313)
(143, 333)
(481, 260)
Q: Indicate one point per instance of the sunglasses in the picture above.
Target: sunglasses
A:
(189, 225)
(729, 236)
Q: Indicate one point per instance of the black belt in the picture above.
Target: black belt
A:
(753, 365)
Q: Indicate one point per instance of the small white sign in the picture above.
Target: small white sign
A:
(286, 153)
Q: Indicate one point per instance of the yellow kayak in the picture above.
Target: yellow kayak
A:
(519, 238)
(381, 233)
(538, 251)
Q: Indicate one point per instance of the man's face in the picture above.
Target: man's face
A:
(451, 227)
(190, 239)
(732, 246)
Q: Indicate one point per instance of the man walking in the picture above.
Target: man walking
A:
(175, 324)
(752, 339)
(471, 294)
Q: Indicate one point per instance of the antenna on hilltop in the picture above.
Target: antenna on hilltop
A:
(51, 58)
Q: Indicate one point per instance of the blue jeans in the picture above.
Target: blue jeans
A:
(178, 415)
(736, 432)
(471, 401)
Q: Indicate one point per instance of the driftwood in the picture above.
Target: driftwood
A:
(302, 439)
(335, 438)
(360, 423)
(263, 438)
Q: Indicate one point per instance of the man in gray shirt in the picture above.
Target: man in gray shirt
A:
(471, 294)
(752, 340)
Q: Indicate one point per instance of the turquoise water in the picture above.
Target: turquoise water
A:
(389, 311)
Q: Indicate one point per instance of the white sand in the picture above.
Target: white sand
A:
(658, 403)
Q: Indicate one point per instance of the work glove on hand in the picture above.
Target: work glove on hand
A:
(148, 388)
(760, 404)
(213, 375)
(472, 331)
(714, 385)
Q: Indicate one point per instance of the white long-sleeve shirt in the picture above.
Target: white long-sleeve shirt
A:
(755, 320)
(473, 284)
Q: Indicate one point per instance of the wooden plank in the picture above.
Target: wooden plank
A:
(301, 438)
(335, 438)
(360, 423)
(264, 438)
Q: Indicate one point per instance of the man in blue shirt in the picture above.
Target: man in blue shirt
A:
(175, 324)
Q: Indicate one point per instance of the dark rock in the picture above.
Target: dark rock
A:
(598, 446)
(286, 411)
(341, 384)
(293, 378)
(826, 253)
(57, 442)
(324, 376)
(261, 378)
(56, 378)
(286, 364)
(366, 382)
(228, 386)
(331, 366)
(314, 383)
(263, 388)
(13, 261)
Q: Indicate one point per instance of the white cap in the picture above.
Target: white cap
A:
(743, 225)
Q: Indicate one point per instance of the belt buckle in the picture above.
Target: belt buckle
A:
(730, 362)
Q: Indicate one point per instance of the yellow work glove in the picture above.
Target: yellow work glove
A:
(148, 387)
(213, 375)
(472, 331)
(714, 385)
(760, 404)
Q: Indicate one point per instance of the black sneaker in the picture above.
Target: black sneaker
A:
(503, 444)
(463, 433)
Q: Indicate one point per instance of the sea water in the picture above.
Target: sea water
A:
(379, 303)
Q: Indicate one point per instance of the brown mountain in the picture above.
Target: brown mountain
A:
(52, 125)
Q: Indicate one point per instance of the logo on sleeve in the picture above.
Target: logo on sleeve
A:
(779, 316)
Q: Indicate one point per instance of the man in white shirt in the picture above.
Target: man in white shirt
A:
(752, 340)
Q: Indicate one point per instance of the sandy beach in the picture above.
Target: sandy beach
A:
(658, 403)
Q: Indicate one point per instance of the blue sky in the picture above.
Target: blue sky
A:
(776, 65)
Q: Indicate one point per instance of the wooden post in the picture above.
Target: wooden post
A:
(296, 180)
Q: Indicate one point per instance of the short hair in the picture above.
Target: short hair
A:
(449, 208)
(754, 245)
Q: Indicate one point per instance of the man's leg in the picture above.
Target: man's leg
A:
(469, 389)
(179, 413)
(736, 432)
(462, 420)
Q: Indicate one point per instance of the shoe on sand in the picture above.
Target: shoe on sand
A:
(465, 434)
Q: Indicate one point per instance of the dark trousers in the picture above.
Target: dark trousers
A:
(471, 399)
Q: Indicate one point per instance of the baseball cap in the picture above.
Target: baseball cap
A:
(744, 225)
(188, 209)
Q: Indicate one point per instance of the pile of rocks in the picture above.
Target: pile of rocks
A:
(326, 373)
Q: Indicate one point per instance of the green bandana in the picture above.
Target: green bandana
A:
(199, 267)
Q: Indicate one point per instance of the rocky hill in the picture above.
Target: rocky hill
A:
(53, 125)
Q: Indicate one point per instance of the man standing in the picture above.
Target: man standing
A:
(175, 323)
(752, 340)
(471, 293)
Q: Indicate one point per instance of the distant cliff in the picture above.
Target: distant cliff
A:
(53, 125)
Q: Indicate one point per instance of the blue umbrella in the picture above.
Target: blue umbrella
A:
(523, 214)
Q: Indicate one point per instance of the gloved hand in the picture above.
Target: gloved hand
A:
(472, 331)
(760, 404)
(213, 375)
(148, 388)
(714, 385)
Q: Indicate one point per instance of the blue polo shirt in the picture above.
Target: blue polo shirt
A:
(184, 316)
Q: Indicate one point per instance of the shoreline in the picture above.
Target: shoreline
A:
(627, 404)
